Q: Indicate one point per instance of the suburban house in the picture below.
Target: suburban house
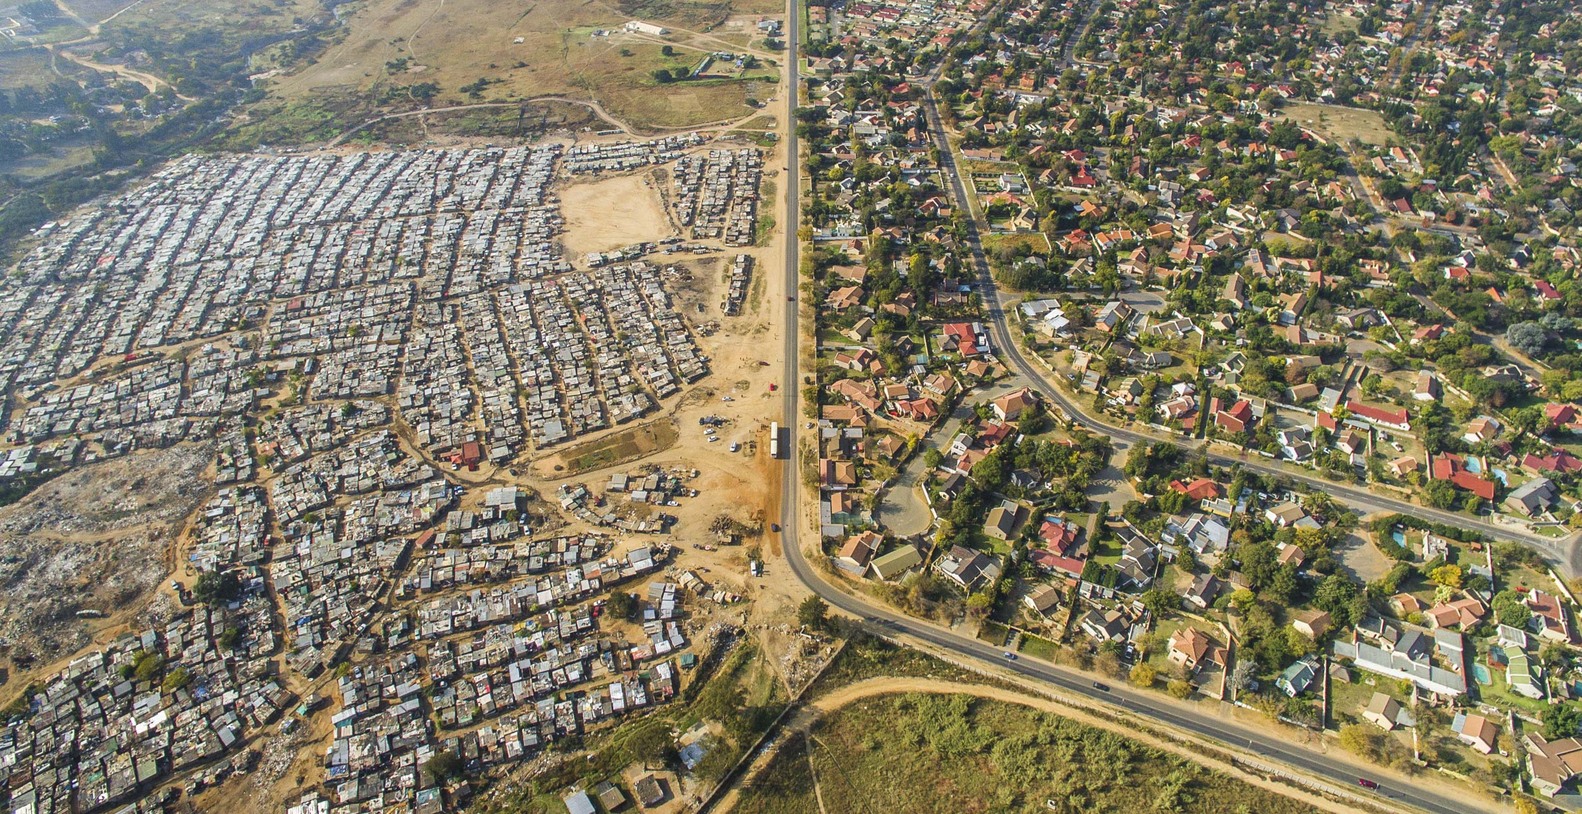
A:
(1042, 601)
(1379, 416)
(1011, 405)
(1105, 626)
(1297, 677)
(1003, 520)
(1192, 648)
(857, 552)
(1385, 712)
(1389, 651)
(889, 566)
(1552, 762)
(967, 568)
(1533, 497)
(1204, 590)
(1475, 731)
(1312, 623)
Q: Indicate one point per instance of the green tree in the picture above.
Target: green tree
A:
(621, 604)
(1509, 609)
(811, 613)
(1562, 721)
(215, 588)
(444, 765)
(1142, 675)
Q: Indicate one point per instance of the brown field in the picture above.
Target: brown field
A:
(1340, 123)
(394, 44)
(29, 68)
(612, 213)
(1032, 240)
(95, 10)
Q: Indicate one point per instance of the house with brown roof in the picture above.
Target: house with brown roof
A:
(1475, 731)
(843, 298)
(858, 551)
(1192, 648)
(1552, 762)
(1011, 405)
(1312, 623)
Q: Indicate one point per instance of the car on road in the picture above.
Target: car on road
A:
(1101, 687)
(1366, 783)
(1009, 656)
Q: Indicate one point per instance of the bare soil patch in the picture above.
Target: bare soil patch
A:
(96, 538)
(611, 213)
(617, 447)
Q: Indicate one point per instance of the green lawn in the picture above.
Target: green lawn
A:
(1038, 647)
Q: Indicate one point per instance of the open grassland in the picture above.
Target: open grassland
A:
(459, 52)
(925, 753)
(1340, 124)
(30, 68)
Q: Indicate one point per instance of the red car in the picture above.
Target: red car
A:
(1366, 783)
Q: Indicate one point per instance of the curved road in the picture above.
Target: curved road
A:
(1564, 552)
(1268, 743)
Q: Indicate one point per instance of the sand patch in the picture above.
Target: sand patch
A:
(612, 213)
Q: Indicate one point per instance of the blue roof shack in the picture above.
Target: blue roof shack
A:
(578, 802)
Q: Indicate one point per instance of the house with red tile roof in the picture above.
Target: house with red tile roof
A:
(1199, 489)
(1395, 419)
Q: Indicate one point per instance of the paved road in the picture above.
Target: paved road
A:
(1566, 553)
(1273, 745)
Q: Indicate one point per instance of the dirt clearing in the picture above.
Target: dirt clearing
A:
(612, 213)
(97, 538)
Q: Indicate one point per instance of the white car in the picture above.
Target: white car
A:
(735, 447)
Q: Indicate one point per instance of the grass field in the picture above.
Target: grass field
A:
(1337, 23)
(1340, 123)
(507, 52)
(1034, 241)
(931, 753)
(1038, 647)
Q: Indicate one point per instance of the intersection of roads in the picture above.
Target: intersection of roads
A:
(1265, 744)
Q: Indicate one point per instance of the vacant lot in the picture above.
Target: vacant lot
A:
(926, 753)
(97, 538)
(1340, 123)
(611, 213)
(617, 447)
